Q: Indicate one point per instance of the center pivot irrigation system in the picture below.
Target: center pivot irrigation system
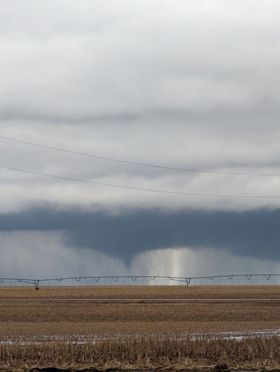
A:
(144, 279)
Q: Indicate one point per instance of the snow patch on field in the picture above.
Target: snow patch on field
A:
(82, 339)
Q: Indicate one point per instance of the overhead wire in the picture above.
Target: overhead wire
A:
(136, 163)
(136, 188)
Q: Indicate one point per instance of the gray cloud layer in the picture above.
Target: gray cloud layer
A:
(188, 85)
(184, 84)
(77, 61)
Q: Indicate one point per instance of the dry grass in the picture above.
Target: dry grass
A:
(144, 352)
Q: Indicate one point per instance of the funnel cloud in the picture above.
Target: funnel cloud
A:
(190, 86)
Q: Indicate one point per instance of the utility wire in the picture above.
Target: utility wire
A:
(136, 163)
(136, 188)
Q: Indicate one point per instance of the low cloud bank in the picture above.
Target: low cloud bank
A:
(46, 255)
(126, 235)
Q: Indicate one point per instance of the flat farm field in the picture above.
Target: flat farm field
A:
(140, 328)
(60, 312)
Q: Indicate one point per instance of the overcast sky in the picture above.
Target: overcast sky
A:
(180, 84)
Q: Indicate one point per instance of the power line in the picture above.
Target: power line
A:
(136, 188)
(136, 163)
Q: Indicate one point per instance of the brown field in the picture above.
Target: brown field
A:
(137, 291)
(72, 311)
(154, 318)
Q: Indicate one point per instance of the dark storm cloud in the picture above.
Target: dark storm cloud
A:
(126, 235)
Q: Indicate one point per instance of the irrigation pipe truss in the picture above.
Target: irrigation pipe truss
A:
(134, 279)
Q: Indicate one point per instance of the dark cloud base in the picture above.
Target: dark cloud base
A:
(254, 233)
